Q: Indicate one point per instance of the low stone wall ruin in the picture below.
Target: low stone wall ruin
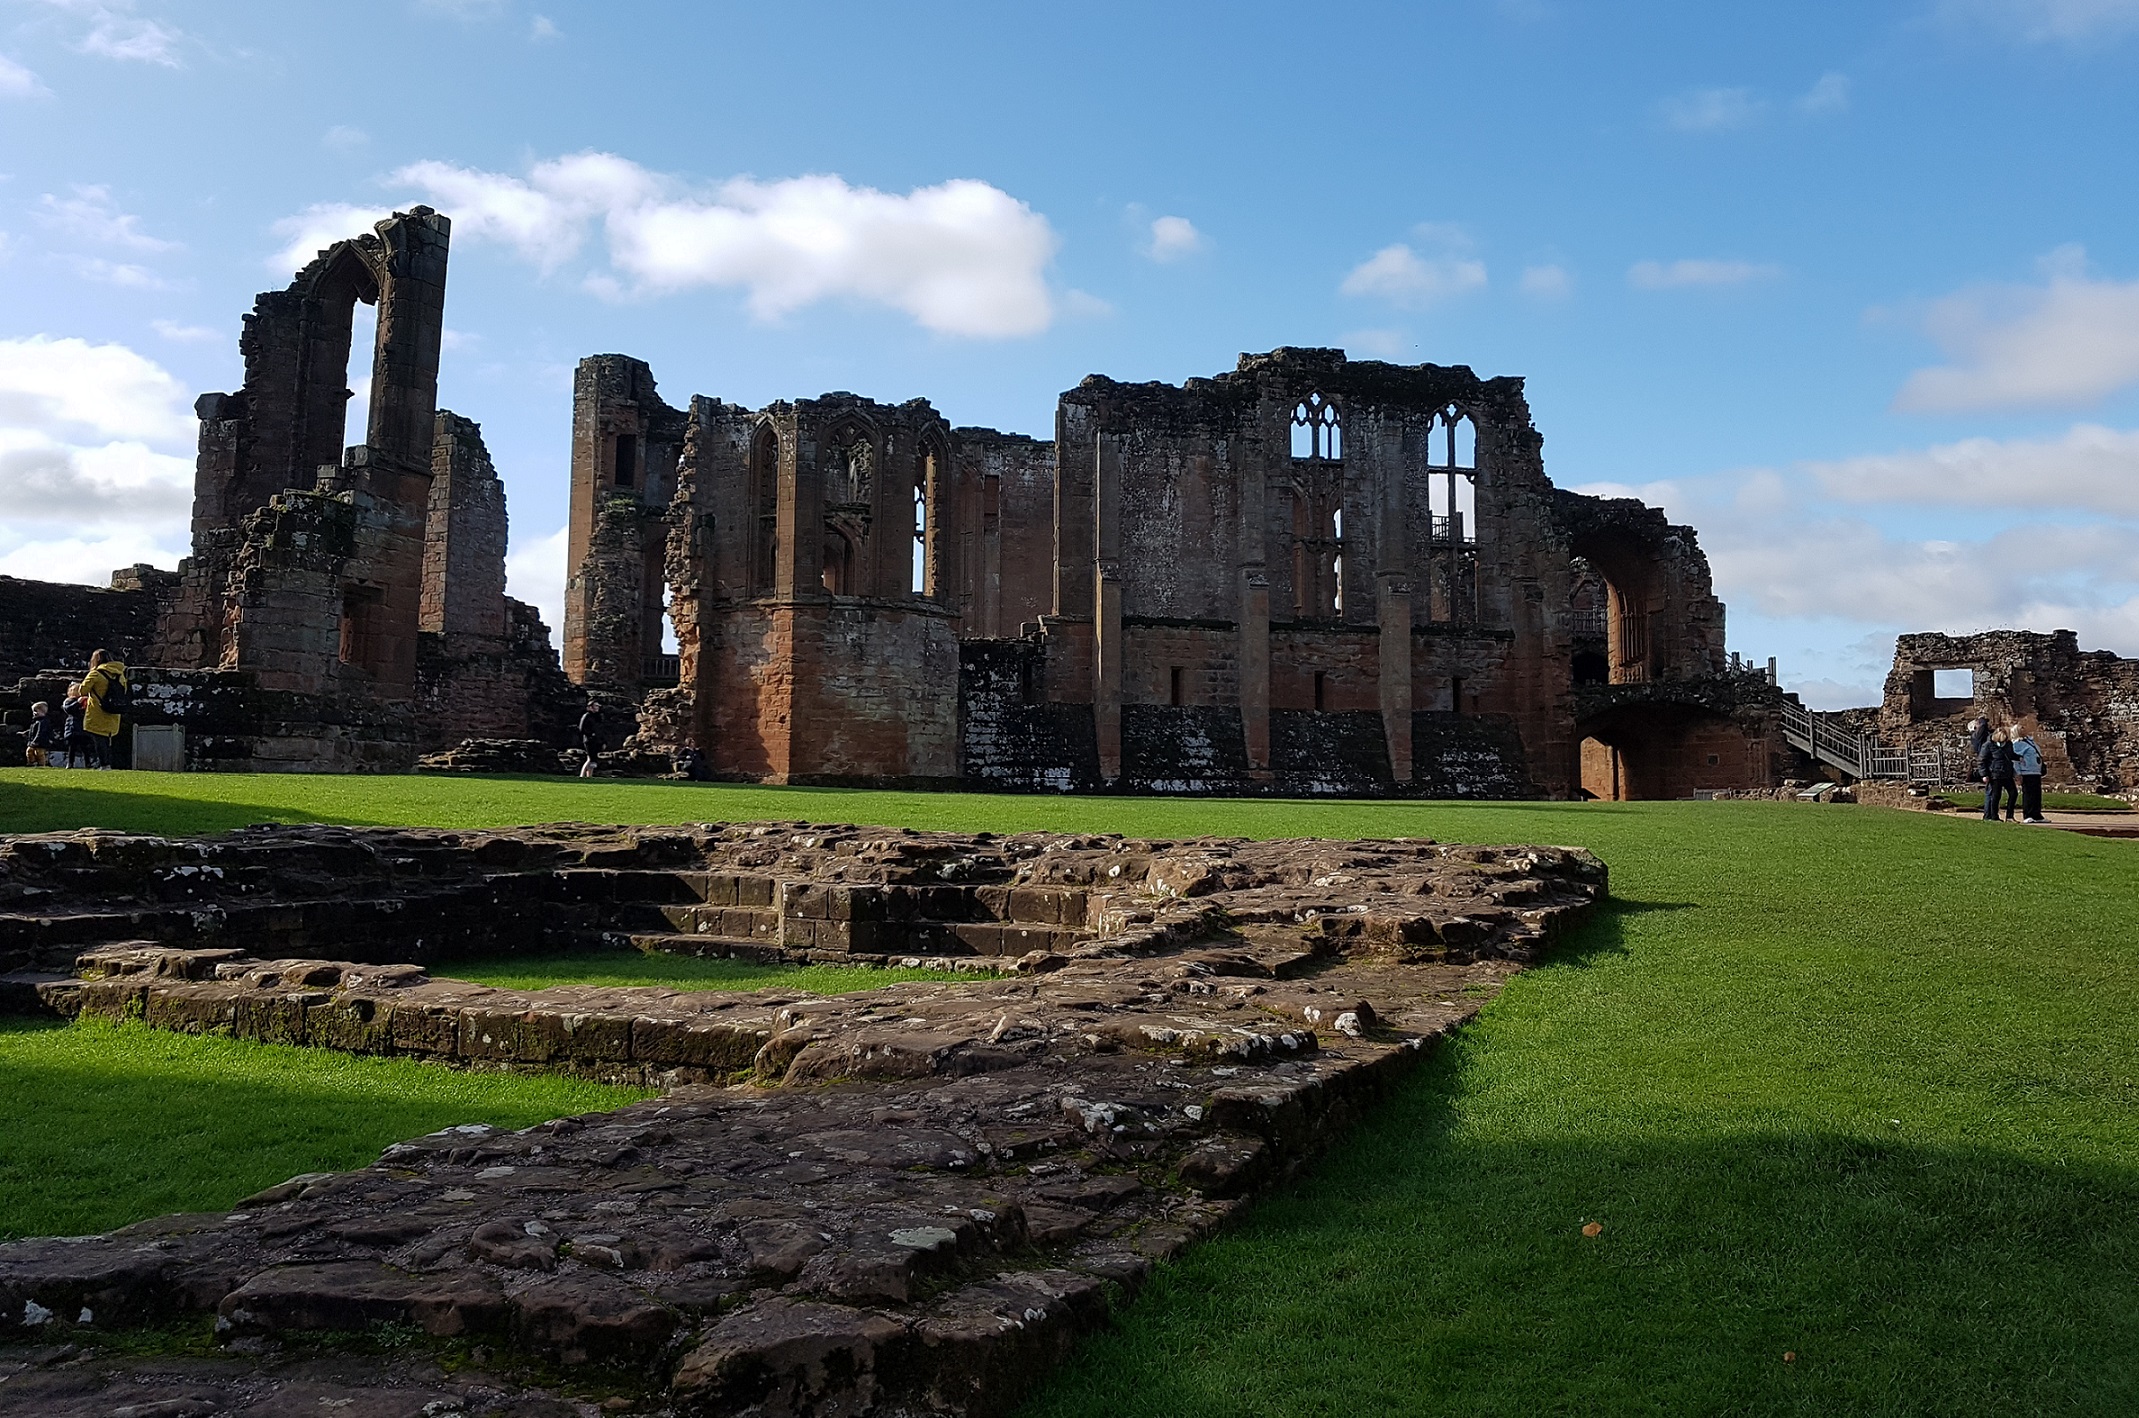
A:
(911, 1199)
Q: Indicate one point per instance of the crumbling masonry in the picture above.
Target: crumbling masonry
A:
(1309, 575)
(344, 608)
(1312, 574)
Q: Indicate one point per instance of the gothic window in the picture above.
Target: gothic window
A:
(1452, 484)
(849, 470)
(1316, 430)
(765, 497)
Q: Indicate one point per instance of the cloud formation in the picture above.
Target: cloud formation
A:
(1828, 94)
(18, 82)
(961, 258)
(2068, 342)
(1547, 282)
(1173, 238)
(1711, 110)
(2040, 21)
(2088, 468)
(1410, 281)
(91, 215)
(117, 31)
(94, 467)
(1697, 274)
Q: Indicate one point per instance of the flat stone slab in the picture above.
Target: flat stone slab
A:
(911, 1199)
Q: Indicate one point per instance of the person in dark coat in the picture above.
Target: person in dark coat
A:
(1997, 766)
(46, 741)
(2027, 767)
(81, 748)
(590, 737)
(1978, 735)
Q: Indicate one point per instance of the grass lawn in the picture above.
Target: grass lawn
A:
(101, 1124)
(677, 972)
(1850, 1085)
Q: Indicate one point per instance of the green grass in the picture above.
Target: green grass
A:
(676, 972)
(1852, 1084)
(103, 1124)
(2057, 802)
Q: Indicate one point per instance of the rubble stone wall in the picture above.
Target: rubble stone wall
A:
(2082, 705)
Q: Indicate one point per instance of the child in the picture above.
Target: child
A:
(44, 739)
(80, 747)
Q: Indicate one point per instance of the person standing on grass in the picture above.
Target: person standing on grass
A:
(590, 736)
(45, 739)
(2027, 768)
(80, 747)
(1978, 735)
(109, 696)
(1997, 766)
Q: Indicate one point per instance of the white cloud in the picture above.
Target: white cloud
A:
(1405, 279)
(91, 215)
(962, 257)
(94, 467)
(1680, 275)
(2089, 467)
(544, 28)
(69, 386)
(2070, 341)
(2066, 21)
(1829, 94)
(1547, 282)
(185, 334)
(117, 31)
(344, 138)
(123, 274)
(317, 227)
(534, 573)
(1380, 344)
(1173, 238)
(1711, 110)
(18, 82)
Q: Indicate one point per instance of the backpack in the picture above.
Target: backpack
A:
(118, 696)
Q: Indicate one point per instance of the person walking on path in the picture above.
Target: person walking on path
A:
(46, 740)
(1997, 766)
(109, 697)
(590, 736)
(2027, 768)
(1978, 735)
(80, 748)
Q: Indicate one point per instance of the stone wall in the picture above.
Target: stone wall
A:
(2083, 706)
(46, 625)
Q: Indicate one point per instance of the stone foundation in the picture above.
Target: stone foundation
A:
(908, 1200)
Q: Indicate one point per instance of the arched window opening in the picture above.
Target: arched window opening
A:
(1317, 432)
(929, 493)
(920, 578)
(1336, 565)
(765, 496)
(363, 352)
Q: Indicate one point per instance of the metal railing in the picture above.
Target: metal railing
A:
(1860, 755)
(661, 669)
(1589, 624)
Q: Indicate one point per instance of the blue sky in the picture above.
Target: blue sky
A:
(1852, 288)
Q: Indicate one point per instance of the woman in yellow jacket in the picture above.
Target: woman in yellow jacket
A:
(107, 691)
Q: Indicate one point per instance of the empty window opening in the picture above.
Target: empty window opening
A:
(669, 644)
(627, 460)
(765, 480)
(1953, 684)
(1592, 668)
(1321, 689)
(1175, 694)
(1336, 564)
(363, 354)
(920, 576)
(1455, 696)
(1316, 430)
(838, 574)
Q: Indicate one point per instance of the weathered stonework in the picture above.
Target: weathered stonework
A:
(1309, 575)
(907, 1200)
(2083, 706)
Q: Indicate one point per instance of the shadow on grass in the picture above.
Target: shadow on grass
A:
(1426, 1267)
(101, 1125)
(1604, 934)
(42, 807)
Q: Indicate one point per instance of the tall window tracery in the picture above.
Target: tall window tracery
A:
(765, 500)
(1318, 508)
